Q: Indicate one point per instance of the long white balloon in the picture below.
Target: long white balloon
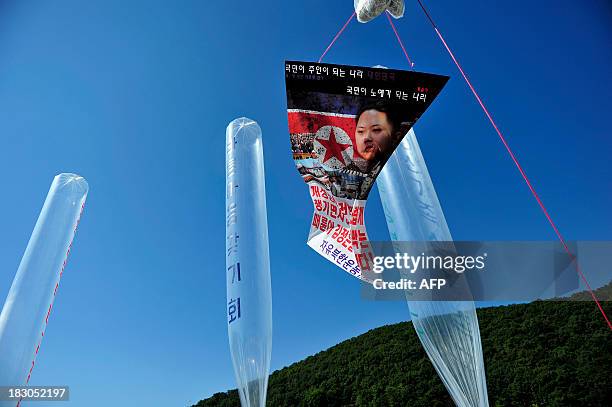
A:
(448, 330)
(249, 292)
(30, 299)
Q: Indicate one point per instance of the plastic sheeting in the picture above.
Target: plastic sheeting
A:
(368, 10)
(249, 291)
(26, 311)
(448, 331)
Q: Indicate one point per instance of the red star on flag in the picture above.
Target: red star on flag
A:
(333, 148)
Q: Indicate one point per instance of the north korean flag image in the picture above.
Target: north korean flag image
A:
(333, 133)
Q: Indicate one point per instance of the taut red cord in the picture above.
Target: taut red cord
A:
(518, 165)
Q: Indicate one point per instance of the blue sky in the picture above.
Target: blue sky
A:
(135, 96)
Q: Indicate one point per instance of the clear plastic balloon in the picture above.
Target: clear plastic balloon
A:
(26, 311)
(448, 330)
(249, 292)
(368, 10)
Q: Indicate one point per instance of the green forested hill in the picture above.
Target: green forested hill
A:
(546, 353)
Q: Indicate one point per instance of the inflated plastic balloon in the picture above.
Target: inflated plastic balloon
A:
(26, 311)
(249, 291)
(368, 10)
(448, 330)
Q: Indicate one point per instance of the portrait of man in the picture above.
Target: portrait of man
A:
(345, 123)
(378, 130)
(379, 127)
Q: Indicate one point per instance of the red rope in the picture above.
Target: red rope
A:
(514, 159)
(337, 36)
(399, 40)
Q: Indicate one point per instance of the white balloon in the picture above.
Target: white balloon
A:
(249, 288)
(25, 314)
(368, 10)
(448, 330)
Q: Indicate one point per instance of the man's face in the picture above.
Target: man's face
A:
(373, 134)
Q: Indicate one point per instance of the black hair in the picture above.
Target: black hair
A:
(393, 112)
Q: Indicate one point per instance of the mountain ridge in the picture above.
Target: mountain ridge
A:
(544, 353)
